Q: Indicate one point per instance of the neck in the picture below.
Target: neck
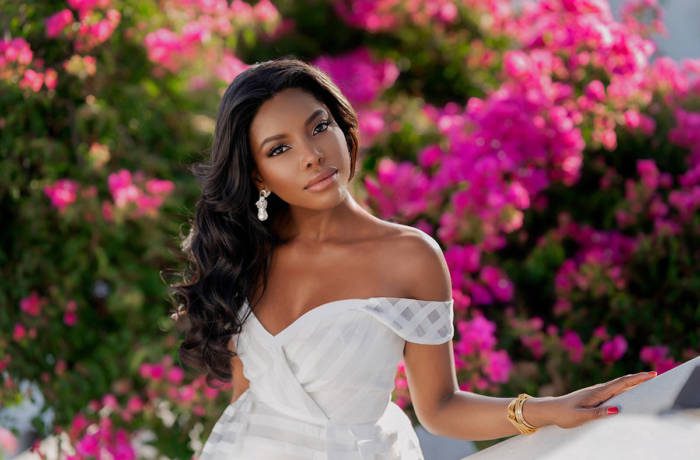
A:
(336, 224)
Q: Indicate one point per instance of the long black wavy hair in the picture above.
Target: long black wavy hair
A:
(228, 250)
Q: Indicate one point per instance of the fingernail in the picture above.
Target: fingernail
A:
(652, 373)
(613, 410)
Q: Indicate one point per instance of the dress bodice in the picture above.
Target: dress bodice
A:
(338, 360)
(321, 387)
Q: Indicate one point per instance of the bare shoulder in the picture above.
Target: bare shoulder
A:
(418, 262)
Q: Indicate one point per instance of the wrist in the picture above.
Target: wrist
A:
(539, 411)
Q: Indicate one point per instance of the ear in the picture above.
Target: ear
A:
(257, 179)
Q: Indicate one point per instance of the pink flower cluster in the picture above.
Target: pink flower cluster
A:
(133, 194)
(477, 284)
(164, 379)
(400, 190)
(170, 49)
(657, 357)
(573, 344)
(200, 28)
(358, 75)
(686, 199)
(597, 267)
(500, 154)
(32, 306)
(362, 78)
(382, 15)
(127, 189)
(96, 23)
(17, 65)
(401, 395)
(613, 349)
(229, 67)
(476, 355)
(586, 33)
(62, 193)
(98, 431)
(57, 22)
(644, 200)
(103, 440)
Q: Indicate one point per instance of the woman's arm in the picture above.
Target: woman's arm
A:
(238, 380)
(442, 408)
(445, 410)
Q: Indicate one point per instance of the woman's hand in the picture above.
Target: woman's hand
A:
(586, 404)
(580, 406)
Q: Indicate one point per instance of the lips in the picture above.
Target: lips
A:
(325, 173)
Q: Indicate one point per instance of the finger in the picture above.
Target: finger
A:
(600, 412)
(624, 383)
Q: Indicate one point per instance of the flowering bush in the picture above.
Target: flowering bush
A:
(550, 152)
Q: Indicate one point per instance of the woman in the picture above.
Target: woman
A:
(307, 302)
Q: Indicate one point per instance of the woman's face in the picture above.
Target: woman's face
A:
(293, 138)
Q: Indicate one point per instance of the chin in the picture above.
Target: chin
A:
(328, 199)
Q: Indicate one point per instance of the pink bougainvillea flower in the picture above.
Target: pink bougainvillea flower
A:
(122, 188)
(361, 77)
(32, 304)
(229, 68)
(168, 49)
(85, 7)
(475, 335)
(376, 16)
(62, 193)
(369, 14)
(159, 186)
(175, 375)
(535, 344)
(498, 366)
(55, 23)
(498, 283)
(186, 393)
(657, 357)
(649, 174)
(18, 332)
(32, 80)
(573, 345)
(70, 318)
(612, 350)
(400, 189)
(134, 404)
(92, 34)
(50, 78)
(264, 11)
(16, 50)
(371, 124)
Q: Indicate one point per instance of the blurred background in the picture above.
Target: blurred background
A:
(552, 148)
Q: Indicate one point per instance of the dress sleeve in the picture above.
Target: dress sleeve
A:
(427, 322)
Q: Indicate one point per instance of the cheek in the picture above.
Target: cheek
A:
(337, 142)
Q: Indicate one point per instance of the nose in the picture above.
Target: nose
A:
(313, 155)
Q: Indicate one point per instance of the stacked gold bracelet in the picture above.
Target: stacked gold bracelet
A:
(515, 414)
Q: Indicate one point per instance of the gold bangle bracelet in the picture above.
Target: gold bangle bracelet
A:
(515, 414)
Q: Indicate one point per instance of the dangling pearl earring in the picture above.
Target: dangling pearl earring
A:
(262, 204)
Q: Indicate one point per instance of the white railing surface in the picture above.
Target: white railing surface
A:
(645, 428)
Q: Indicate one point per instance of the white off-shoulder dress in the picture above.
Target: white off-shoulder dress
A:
(321, 388)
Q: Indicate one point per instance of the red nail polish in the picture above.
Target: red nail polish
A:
(613, 410)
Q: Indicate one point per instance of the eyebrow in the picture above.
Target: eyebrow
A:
(315, 113)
